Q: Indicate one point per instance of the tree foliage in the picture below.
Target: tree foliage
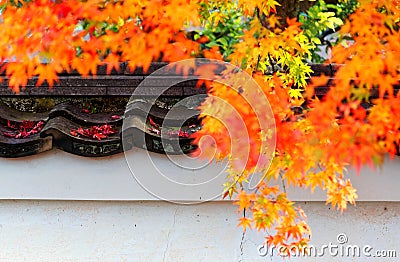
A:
(314, 148)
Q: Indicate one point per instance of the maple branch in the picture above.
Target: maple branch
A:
(283, 181)
(326, 33)
(262, 18)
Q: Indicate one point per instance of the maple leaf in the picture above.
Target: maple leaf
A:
(112, 61)
(98, 136)
(46, 73)
(154, 124)
(94, 132)
(23, 129)
(245, 223)
(244, 201)
(115, 117)
(205, 71)
(296, 97)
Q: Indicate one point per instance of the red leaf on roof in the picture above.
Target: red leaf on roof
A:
(24, 129)
(95, 132)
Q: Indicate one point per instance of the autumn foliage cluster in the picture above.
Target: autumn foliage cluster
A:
(352, 125)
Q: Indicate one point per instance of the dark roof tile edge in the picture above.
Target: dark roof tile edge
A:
(59, 122)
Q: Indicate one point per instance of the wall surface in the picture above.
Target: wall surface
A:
(143, 175)
(160, 231)
(60, 207)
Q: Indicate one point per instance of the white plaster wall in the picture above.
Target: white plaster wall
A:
(159, 231)
(57, 227)
(58, 175)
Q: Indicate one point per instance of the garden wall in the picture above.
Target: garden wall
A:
(69, 208)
